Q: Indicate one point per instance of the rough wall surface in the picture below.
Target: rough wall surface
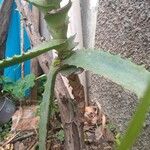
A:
(123, 26)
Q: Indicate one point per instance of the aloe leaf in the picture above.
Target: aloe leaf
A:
(57, 21)
(43, 5)
(113, 67)
(66, 50)
(136, 124)
(46, 105)
(45, 110)
(36, 51)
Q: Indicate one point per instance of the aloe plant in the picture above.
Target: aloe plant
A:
(123, 72)
(36, 51)
(136, 124)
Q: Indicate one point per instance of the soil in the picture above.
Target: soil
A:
(99, 133)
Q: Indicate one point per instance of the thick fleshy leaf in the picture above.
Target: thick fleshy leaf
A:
(57, 21)
(66, 50)
(45, 6)
(113, 67)
(136, 124)
(36, 51)
(45, 108)
(46, 105)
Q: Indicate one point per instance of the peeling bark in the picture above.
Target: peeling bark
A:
(72, 112)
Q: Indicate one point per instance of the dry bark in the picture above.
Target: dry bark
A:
(72, 112)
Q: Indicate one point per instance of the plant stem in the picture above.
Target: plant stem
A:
(46, 108)
(72, 111)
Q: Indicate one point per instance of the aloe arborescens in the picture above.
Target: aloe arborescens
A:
(123, 72)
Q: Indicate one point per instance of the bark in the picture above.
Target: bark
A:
(34, 62)
(79, 104)
(5, 11)
(72, 112)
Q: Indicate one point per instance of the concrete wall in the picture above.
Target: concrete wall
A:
(123, 26)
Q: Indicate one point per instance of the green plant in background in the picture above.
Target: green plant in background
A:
(112, 127)
(4, 130)
(118, 139)
(113, 67)
(40, 89)
(17, 89)
(117, 134)
(60, 135)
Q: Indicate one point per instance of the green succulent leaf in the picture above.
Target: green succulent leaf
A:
(45, 110)
(66, 50)
(44, 6)
(57, 21)
(36, 51)
(136, 124)
(46, 105)
(18, 88)
(113, 67)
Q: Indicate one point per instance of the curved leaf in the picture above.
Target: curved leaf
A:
(43, 5)
(136, 124)
(67, 49)
(36, 51)
(57, 21)
(45, 110)
(113, 67)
